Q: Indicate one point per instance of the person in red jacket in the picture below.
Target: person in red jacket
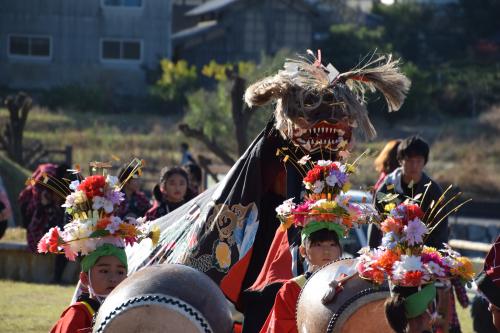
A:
(95, 232)
(102, 270)
(318, 248)
(488, 282)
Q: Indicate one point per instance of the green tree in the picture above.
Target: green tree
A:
(177, 79)
(214, 116)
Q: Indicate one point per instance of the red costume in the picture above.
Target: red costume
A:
(76, 318)
(282, 319)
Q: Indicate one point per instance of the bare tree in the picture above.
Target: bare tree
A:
(19, 107)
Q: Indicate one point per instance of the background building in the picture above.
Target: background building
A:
(89, 42)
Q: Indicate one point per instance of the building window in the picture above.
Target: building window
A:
(121, 50)
(122, 3)
(30, 46)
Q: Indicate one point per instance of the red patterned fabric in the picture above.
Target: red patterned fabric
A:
(492, 263)
(488, 281)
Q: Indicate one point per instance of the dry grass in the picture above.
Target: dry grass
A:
(16, 234)
(103, 137)
(465, 152)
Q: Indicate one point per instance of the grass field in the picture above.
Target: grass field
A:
(30, 308)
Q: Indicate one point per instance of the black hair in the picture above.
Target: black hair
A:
(167, 172)
(184, 146)
(413, 146)
(395, 313)
(194, 170)
(323, 235)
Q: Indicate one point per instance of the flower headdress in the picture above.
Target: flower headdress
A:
(403, 258)
(91, 203)
(325, 205)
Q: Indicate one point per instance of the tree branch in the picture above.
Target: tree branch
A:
(199, 135)
(205, 165)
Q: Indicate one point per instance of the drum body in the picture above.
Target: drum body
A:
(165, 298)
(359, 307)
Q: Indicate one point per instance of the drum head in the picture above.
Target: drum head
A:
(359, 307)
(154, 313)
(165, 298)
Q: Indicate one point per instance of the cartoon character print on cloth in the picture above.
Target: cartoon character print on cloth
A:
(236, 226)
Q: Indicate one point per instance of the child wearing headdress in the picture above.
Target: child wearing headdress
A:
(97, 234)
(325, 216)
(102, 270)
(319, 247)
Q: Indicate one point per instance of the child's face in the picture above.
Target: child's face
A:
(106, 274)
(320, 253)
(174, 188)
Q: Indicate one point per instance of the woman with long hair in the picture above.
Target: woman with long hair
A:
(386, 161)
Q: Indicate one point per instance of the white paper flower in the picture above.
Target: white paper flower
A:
(100, 202)
(318, 186)
(75, 198)
(112, 181)
(74, 185)
(332, 180)
(412, 263)
(304, 160)
(114, 225)
(324, 163)
(435, 269)
(286, 207)
(414, 231)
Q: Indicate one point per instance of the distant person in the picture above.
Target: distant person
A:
(29, 198)
(3, 220)
(41, 209)
(186, 157)
(386, 162)
(488, 282)
(195, 179)
(44, 209)
(170, 193)
(135, 203)
(5, 210)
(409, 180)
